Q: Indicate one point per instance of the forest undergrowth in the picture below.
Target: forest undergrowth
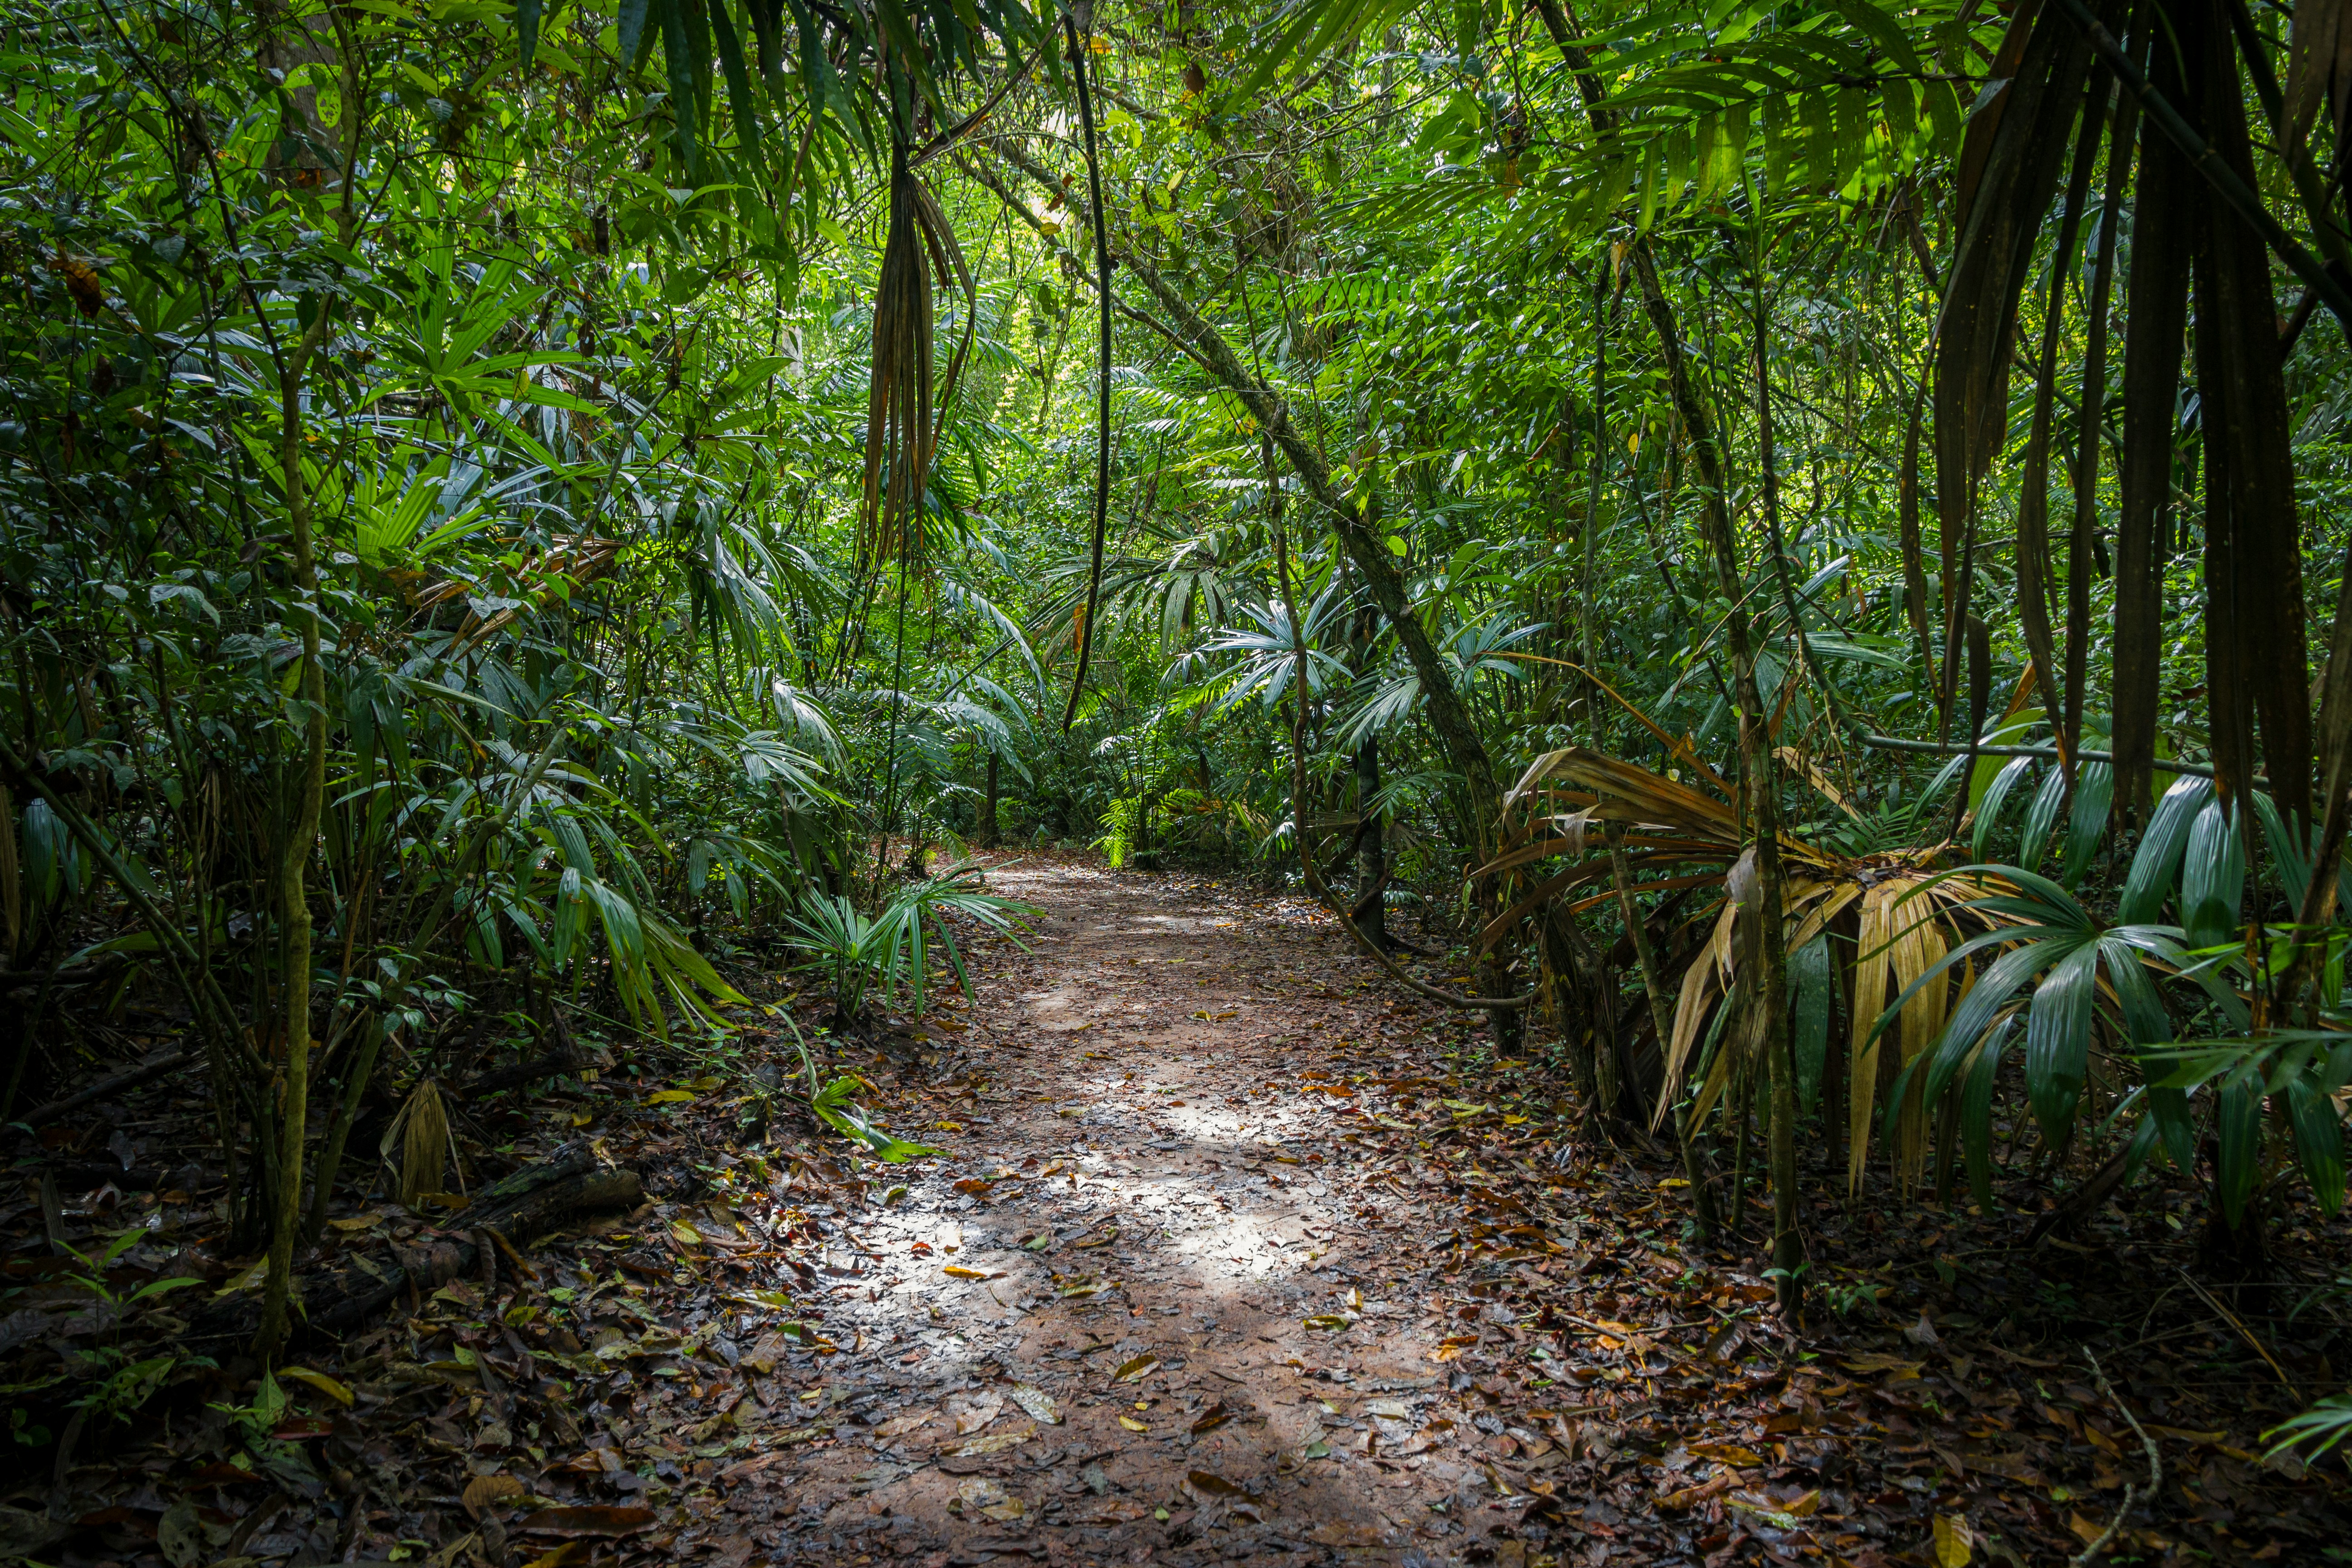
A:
(1229, 1250)
(1707, 646)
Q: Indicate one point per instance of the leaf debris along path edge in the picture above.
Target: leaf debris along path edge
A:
(1237, 1254)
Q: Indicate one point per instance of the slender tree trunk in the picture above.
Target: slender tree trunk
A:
(1770, 990)
(1371, 848)
(989, 832)
(310, 783)
(1661, 1018)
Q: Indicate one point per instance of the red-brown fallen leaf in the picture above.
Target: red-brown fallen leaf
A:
(592, 1518)
(1212, 1485)
(1215, 1417)
(483, 1491)
(1727, 1454)
(1690, 1496)
(219, 1475)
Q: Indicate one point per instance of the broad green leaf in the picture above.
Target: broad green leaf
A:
(2058, 1040)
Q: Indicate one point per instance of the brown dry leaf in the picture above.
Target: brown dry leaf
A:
(1874, 1361)
(1211, 1485)
(1135, 1371)
(1345, 1535)
(989, 1498)
(1727, 1454)
(765, 1356)
(973, 1187)
(1103, 1240)
(900, 1425)
(995, 1443)
(1036, 1402)
(483, 1491)
(973, 1412)
(958, 1271)
(1215, 1417)
(593, 1519)
(1690, 1496)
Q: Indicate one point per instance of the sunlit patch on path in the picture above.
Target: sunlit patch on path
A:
(1132, 1317)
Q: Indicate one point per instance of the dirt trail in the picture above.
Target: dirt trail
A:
(1171, 1205)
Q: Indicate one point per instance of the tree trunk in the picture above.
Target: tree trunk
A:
(293, 364)
(1372, 848)
(1661, 1018)
(990, 835)
(1771, 986)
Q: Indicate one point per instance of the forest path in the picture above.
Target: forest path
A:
(1179, 1259)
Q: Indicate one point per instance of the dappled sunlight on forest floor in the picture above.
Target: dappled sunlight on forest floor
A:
(1231, 1253)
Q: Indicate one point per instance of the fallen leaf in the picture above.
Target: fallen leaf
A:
(179, 1534)
(670, 1097)
(1212, 1485)
(763, 1356)
(1037, 1402)
(900, 1425)
(1132, 1425)
(1215, 1417)
(1955, 1542)
(567, 1555)
(1876, 1361)
(1727, 1454)
(2181, 1434)
(1103, 1240)
(973, 1412)
(1137, 1370)
(320, 1381)
(958, 1271)
(1923, 1333)
(1333, 1321)
(972, 1186)
(483, 1491)
(988, 1497)
(593, 1519)
(995, 1443)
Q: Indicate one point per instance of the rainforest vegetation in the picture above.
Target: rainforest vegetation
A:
(1784, 559)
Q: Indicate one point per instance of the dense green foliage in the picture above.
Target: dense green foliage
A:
(566, 501)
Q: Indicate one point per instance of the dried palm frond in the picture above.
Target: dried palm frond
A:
(422, 1132)
(903, 418)
(1906, 914)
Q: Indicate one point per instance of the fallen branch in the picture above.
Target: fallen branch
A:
(337, 1299)
(147, 1071)
(518, 1073)
(2131, 1492)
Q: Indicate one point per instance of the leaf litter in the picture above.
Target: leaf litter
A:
(1353, 1284)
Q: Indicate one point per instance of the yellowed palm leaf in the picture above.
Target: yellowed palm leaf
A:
(1702, 983)
(1919, 944)
(1869, 1001)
